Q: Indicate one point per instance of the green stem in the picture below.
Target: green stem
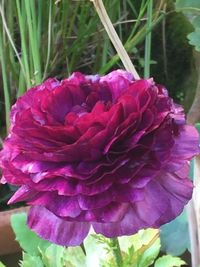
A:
(147, 58)
(22, 29)
(117, 252)
(34, 42)
(49, 41)
(5, 79)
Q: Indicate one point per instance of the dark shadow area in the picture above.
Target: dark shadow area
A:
(11, 260)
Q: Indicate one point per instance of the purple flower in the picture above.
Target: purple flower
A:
(108, 152)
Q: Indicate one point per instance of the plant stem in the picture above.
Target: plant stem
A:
(33, 37)
(10, 38)
(5, 81)
(99, 6)
(49, 41)
(117, 252)
(139, 37)
(22, 26)
(147, 59)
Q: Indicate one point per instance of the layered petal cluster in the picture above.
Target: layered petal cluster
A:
(109, 152)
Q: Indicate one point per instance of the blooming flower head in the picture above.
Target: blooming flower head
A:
(109, 152)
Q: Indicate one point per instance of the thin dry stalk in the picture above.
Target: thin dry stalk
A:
(99, 6)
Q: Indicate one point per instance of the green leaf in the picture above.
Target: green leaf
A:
(53, 256)
(30, 261)
(146, 247)
(191, 9)
(194, 39)
(171, 235)
(198, 124)
(142, 238)
(180, 4)
(76, 257)
(27, 239)
(2, 265)
(96, 253)
(149, 252)
(169, 261)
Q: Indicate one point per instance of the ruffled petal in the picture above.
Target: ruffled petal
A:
(50, 227)
(186, 143)
(164, 199)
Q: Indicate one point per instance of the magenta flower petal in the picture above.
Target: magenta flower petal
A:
(56, 230)
(163, 200)
(109, 151)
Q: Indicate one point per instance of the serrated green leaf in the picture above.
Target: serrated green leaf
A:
(95, 251)
(149, 252)
(53, 256)
(148, 257)
(2, 265)
(169, 261)
(194, 36)
(76, 257)
(141, 239)
(30, 261)
(196, 21)
(191, 9)
(27, 239)
(95, 254)
(146, 247)
(171, 235)
(194, 39)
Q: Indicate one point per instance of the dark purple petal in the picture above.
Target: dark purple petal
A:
(22, 194)
(117, 82)
(186, 143)
(162, 202)
(50, 227)
(57, 204)
(130, 224)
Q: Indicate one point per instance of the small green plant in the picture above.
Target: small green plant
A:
(139, 250)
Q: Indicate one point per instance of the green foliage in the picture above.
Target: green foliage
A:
(194, 37)
(30, 261)
(191, 8)
(27, 239)
(198, 127)
(2, 265)
(169, 261)
(53, 256)
(187, 4)
(174, 57)
(139, 250)
(172, 240)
